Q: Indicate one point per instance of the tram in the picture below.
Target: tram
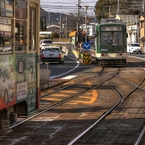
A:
(111, 42)
(19, 59)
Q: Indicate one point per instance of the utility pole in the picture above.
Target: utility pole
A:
(60, 26)
(66, 26)
(118, 7)
(86, 8)
(78, 24)
(109, 11)
(143, 5)
(108, 5)
(49, 19)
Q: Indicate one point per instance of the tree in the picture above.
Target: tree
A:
(126, 7)
(54, 35)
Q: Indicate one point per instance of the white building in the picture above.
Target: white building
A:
(133, 34)
(91, 29)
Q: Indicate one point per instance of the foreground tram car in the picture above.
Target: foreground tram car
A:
(19, 66)
(110, 43)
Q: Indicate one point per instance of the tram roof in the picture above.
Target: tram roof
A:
(109, 20)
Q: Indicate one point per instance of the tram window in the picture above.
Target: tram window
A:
(113, 38)
(20, 28)
(20, 36)
(5, 35)
(6, 8)
(20, 44)
(32, 29)
(21, 9)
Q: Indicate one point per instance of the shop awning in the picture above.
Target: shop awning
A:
(72, 34)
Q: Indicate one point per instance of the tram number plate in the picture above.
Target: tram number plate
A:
(104, 49)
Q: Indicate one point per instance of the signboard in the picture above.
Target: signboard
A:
(86, 45)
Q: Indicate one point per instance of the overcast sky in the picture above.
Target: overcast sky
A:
(67, 6)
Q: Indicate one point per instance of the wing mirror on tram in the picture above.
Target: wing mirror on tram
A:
(126, 35)
(96, 35)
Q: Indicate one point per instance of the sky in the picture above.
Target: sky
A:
(68, 6)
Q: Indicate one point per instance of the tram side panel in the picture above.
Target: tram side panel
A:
(18, 83)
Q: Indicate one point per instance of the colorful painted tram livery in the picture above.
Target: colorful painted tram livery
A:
(19, 79)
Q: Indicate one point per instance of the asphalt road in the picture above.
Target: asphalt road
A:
(71, 65)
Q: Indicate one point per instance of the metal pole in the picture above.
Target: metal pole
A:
(109, 11)
(66, 26)
(60, 26)
(86, 7)
(143, 6)
(118, 7)
(78, 24)
(86, 26)
(49, 18)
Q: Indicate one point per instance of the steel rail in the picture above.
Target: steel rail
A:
(68, 86)
(62, 102)
(109, 111)
(100, 119)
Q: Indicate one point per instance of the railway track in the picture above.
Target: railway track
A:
(91, 135)
(83, 89)
(72, 108)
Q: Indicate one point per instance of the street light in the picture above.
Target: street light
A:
(85, 8)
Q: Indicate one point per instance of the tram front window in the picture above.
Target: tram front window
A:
(113, 38)
(112, 35)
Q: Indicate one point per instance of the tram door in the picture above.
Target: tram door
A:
(33, 79)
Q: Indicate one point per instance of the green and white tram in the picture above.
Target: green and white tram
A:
(110, 42)
(19, 59)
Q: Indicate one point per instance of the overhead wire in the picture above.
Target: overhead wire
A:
(67, 6)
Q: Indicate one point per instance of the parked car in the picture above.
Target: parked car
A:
(134, 48)
(52, 54)
(45, 42)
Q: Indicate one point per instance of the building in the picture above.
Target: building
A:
(142, 30)
(90, 29)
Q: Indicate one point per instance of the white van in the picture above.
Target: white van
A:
(134, 48)
(45, 42)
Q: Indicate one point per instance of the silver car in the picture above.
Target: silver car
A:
(45, 42)
(52, 54)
